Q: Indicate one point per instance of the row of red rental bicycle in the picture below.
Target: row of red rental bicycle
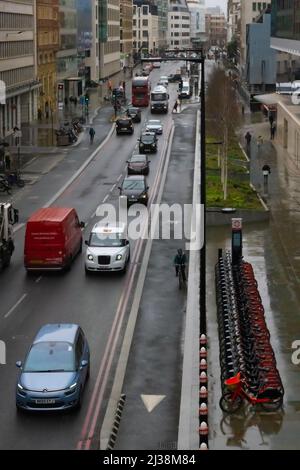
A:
(252, 372)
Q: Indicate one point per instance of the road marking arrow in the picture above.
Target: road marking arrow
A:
(151, 401)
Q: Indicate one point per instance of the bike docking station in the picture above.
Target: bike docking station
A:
(247, 360)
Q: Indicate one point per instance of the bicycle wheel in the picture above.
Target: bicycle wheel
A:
(180, 280)
(273, 405)
(228, 405)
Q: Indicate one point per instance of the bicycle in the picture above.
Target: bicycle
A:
(181, 276)
(271, 399)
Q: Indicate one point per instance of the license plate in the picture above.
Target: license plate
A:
(45, 402)
(104, 268)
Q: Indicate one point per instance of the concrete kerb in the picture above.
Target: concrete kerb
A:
(188, 437)
(116, 392)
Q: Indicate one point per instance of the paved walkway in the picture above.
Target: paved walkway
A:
(273, 249)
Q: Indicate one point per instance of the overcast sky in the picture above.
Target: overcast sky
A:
(214, 3)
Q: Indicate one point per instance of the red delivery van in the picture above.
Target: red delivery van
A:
(53, 238)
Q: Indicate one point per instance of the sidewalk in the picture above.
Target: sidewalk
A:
(39, 137)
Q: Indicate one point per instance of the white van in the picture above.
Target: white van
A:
(185, 91)
(108, 248)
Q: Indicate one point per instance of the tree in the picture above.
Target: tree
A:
(232, 49)
(223, 116)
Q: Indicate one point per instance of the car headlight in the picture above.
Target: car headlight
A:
(90, 257)
(119, 257)
(153, 145)
(144, 196)
(20, 387)
(141, 144)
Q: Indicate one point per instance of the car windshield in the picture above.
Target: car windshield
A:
(153, 122)
(105, 240)
(138, 158)
(185, 88)
(158, 96)
(133, 110)
(133, 184)
(147, 139)
(123, 122)
(50, 357)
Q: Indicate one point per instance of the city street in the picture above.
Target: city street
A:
(97, 303)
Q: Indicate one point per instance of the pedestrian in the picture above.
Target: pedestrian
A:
(39, 114)
(248, 138)
(7, 161)
(260, 141)
(271, 119)
(47, 110)
(92, 134)
(66, 101)
(243, 110)
(75, 101)
(273, 130)
(175, 107)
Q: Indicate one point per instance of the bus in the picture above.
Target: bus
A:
(141, 91)
(159, 100)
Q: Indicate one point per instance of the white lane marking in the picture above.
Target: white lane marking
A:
(114, 186)
(105, 199)
(120, 176)
(38, 279)
(18, 227)
(15, 306)
(151, 401)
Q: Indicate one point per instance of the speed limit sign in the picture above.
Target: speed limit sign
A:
(237, 224)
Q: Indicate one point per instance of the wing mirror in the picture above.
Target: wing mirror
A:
(86, 242)
(19, 364)
(82, 224)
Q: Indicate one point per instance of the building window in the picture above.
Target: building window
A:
(145, 22)
(145, 10)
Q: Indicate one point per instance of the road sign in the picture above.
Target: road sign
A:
(237, 224)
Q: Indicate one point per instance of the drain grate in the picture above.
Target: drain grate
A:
(117, 421)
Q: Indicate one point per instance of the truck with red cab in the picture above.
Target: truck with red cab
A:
(53, 238)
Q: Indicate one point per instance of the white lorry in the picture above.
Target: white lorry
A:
(8, 217)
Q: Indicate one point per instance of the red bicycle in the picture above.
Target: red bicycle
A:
(269, 398)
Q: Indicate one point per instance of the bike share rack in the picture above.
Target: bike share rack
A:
(244, 338)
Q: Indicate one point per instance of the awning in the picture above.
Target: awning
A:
(268, 99)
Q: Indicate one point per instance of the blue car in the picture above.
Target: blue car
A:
(55, 370)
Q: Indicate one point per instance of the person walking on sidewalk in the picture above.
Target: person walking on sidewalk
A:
(248, 138)
(175, 107)
(92, 134)
(273, 130)
(7, 161)
(271, 120)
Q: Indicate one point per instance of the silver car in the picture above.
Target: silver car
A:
(154, 125)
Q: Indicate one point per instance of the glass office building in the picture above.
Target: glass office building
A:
(286, 26)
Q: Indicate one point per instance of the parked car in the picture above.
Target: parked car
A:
(134, 113)
(55, 369)
(108, 248)
(124, 125)
(53, 238)
(154, 125)
(135, 189)
(148, 142)
(138, 165)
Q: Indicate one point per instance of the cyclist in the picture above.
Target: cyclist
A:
(180, 262)
(92, 134)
